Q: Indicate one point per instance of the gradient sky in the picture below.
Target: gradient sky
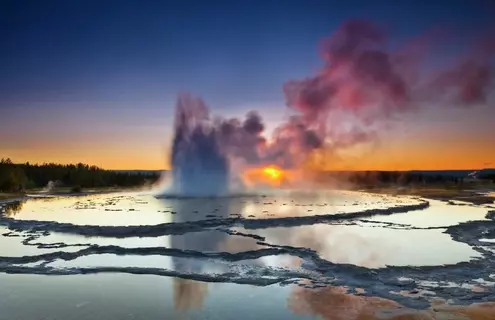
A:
(96, 81)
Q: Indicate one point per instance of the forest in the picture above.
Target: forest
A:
(16, 177)
(402, 178)
(24, 176)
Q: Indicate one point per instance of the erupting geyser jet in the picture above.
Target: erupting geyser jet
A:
(199, 168)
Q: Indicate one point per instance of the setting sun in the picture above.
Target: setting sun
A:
(271, 175)
(272, 172)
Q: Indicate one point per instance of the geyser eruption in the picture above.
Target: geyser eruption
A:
(209, 157)
(362, 86)
(200, 168)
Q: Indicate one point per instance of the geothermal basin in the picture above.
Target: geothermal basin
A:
(282, 255)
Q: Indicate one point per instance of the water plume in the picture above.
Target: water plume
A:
(199, 166)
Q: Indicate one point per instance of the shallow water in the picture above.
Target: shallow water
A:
(111, 210)
(315, 245)
(116, 296)
(373, 246)
(142, 209)
(439, 214)
(11, 245)
(200, 241)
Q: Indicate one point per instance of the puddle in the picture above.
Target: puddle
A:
(183, 265)
(204, 241)
(191, 265)
(373, 247)
(11, 245)
(438, 214)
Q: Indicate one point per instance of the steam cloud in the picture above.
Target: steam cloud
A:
(361, 84)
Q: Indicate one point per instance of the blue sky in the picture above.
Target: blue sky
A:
(231, 52)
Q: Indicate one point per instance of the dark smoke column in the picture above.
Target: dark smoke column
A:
(199, 168)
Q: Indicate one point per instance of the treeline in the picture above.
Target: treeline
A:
(19, 177)
(376, 178)
(401, 178)
(488, 177)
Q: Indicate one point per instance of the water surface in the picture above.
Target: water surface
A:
(196, 258)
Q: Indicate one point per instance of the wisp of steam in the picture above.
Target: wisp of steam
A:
(361, 85)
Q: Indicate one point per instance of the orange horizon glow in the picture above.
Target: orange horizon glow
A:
(427, 150)
(429, 141)
(419, 157)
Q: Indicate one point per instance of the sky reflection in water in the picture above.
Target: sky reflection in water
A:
(370, 244)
